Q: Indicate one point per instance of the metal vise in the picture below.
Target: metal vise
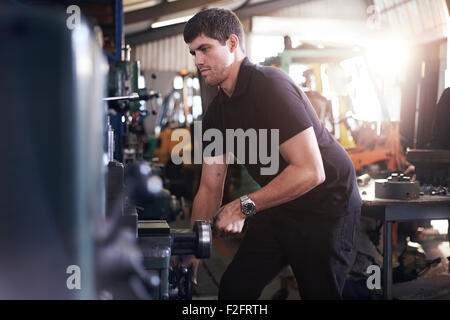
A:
(158, 243)
(397, 187)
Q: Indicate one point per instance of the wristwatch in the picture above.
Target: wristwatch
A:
(248, 207)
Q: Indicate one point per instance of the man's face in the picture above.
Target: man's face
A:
(212, 58)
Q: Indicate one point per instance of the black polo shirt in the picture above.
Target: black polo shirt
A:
(267, 98)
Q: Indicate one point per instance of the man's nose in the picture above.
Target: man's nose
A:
(199, 59)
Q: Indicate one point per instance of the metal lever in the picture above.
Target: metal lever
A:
(134, 97)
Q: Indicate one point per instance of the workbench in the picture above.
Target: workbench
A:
(427, 207)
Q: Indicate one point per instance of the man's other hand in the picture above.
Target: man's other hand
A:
(190, 261)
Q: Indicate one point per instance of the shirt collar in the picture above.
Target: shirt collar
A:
(242, 81)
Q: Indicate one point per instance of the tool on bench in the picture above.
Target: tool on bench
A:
(397, 186)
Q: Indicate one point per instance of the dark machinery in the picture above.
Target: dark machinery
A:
(142, 249)
(432, 167)
(156, 241)
(397, 186)
(52, 188)
(127, 109)
(136, 195)
(53, 192)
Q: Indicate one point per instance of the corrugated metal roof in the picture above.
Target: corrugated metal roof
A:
(335, 9)
(412, 16)
(168, 54)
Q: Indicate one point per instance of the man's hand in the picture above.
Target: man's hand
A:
(229, 220)
(190, 261)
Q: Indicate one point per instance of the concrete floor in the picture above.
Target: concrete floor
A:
(433, 285)
(211, 270)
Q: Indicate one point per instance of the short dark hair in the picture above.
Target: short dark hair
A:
(215, 23)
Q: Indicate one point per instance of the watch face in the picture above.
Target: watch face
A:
(248, 208)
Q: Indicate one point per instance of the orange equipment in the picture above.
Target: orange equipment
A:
(372, 148)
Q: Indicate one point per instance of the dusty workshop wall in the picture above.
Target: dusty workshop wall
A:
(167, 54)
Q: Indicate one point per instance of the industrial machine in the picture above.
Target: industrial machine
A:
(76, 235)
(135, 189)
(127, 109)
(51, 84)
(432, 167)
(158, 243)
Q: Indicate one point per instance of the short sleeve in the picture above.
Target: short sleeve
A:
(284, 107)
(211, 120)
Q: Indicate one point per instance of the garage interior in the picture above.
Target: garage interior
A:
(93, 93)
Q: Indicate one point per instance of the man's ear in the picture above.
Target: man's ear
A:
(233, 42)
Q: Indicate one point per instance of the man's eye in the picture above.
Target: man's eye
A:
(204, 49)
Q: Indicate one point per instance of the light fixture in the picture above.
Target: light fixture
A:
(169, 22)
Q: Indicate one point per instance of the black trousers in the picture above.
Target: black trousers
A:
(318, 248)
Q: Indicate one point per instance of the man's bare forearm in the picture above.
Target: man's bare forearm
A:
(288, 185)
(205, 205)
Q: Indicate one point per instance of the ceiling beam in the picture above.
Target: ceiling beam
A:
(165, 8)
(243, 13)
(266, 7)
(154, 34)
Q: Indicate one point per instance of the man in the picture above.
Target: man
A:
(305, 215)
